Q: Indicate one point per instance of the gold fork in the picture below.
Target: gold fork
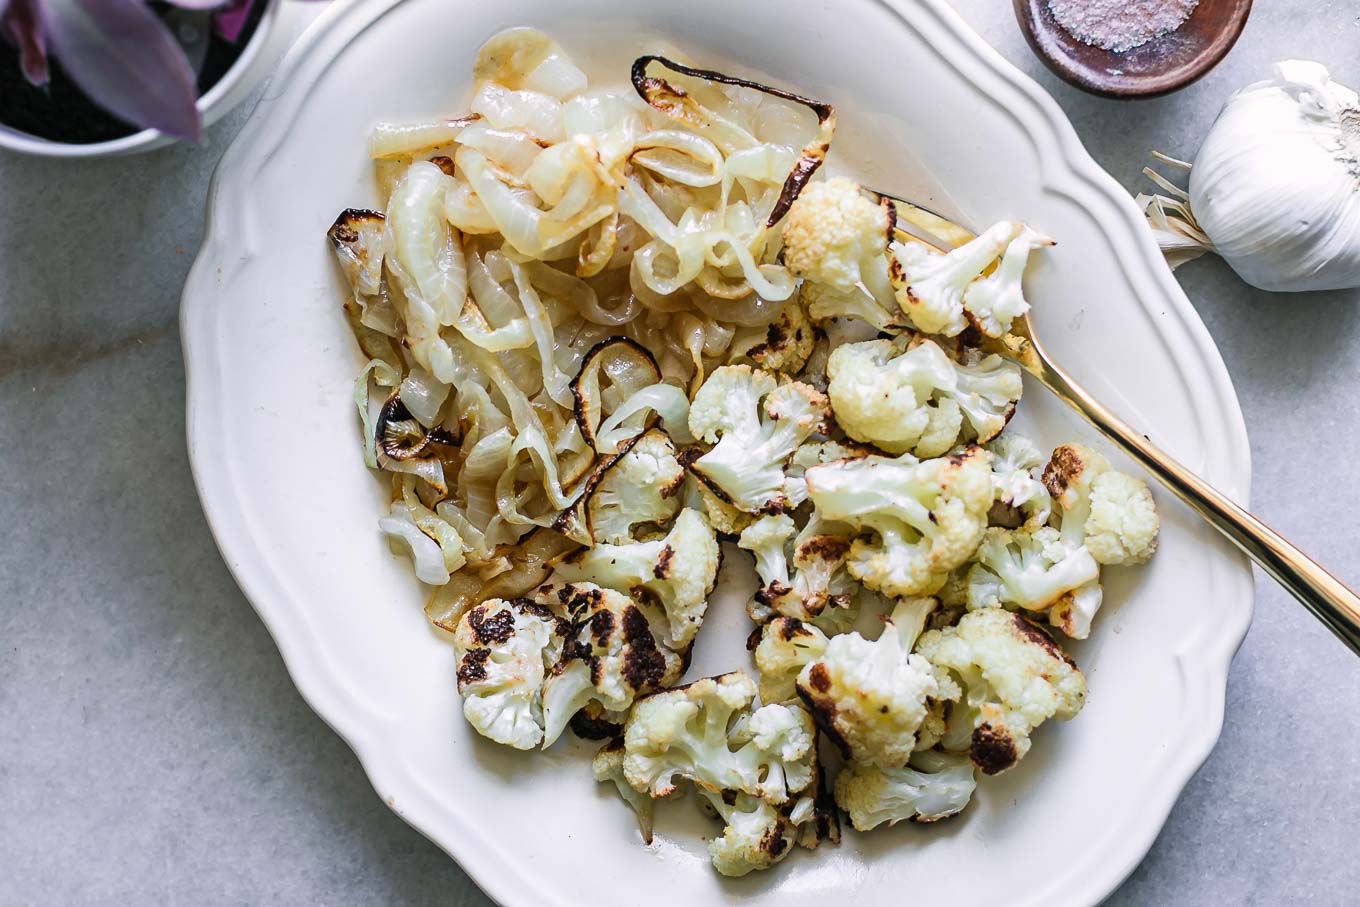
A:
(1326, 597)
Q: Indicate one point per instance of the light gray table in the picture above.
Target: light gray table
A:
(153, 749)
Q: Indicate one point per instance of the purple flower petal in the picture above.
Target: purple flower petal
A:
(232, 18)
(22, 21)
(125, 60)
(198, 4)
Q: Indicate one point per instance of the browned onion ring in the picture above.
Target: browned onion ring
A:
(673, 101)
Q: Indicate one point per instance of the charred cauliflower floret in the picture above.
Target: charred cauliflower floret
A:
(706, 732)
(871, 697)
(1021, 500)
(676, 572)
(1013, 677)
(931, 285)
(919, 401)
(931, 787)
(504, 651)
(927, 516)
(1105, 512)
(754, 424)
(1030, 570)
(1113, 512)
(725, 519)
(825, 304)
(783, 345)
(756, 835)
(802, 573)
(611, 657)
(786, 646)
(834, 233)
(640, 487)
(992, 303)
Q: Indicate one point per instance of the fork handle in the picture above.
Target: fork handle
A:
(1329, 599)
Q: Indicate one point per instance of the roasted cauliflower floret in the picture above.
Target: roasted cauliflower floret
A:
(871, 697)
(611, 657)
(676, 572)
(641, 486)
(725, 519)
(786, 646)
(920, 400)
(1110, 511)
(931, 787)
(992, 303)
(1074, 612)
(1123, 524)
(707, 733)
(1029, 570)
(756, 835)
(833, 233)
(895, 404)
(931, 285)
(1021, 500)
(1013, 677)
(504, 650)
(928, 516)
(754, 424)
(767, 540)
(783, 345)
(801, 573)
(824, 304)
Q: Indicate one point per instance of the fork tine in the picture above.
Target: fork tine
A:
(923, 218)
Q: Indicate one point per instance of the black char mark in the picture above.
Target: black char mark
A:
(1040, 637)
(643, 664)
(822, 707)
(580, 404)
(670, 100)
(473, 667)
(992, 750)
(394, 434)
(589, 725)
(343, 231)
(488, 631)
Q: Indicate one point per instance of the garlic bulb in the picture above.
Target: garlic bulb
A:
(1275, 188)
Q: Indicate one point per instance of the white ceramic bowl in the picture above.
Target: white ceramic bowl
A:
(260, 53)
(922, 104)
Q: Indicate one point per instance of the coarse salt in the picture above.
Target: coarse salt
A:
(1120, 25)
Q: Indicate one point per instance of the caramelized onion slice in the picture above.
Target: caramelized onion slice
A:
(677, 104)
(528, 565)
(631, 418)
(357, 238)
(400, 436)
(574, 521)
(613, 370)
(398, 140)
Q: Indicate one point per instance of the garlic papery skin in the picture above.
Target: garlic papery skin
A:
(1275, 188)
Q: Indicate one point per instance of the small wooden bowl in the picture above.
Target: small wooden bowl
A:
(1158, 67)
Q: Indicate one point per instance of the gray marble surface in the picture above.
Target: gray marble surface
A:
(153, 750)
